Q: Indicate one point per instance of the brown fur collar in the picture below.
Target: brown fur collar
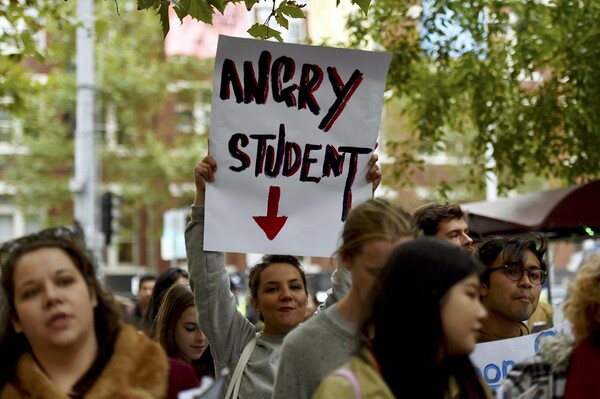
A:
(138, 369)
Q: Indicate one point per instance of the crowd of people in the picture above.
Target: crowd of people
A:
(411, 297)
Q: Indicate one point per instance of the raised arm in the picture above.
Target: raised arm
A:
(227, 330)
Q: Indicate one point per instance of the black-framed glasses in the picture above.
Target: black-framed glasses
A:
(535, 275)
(54, 234)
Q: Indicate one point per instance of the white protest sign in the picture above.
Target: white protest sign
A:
(292, 130)
(493, 360)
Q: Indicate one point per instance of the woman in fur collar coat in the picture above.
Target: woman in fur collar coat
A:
(61, 336)
(566, 366)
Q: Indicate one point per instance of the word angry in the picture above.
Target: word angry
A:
(278, 76)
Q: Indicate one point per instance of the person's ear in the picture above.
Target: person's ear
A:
(483, 289)
(346, 262)
(255, 306)
(94, 300)
(16, 325)
(93, 296)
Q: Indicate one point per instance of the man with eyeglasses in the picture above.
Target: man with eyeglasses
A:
(511, 286)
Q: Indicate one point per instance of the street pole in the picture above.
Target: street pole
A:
(85, 181)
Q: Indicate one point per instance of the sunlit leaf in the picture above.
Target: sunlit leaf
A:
(292, 11)
(264, 32)
(282, 21)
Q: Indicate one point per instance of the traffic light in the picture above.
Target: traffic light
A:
(110, 215)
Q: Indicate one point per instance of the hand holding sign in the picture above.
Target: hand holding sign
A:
(204, 173)
(374, 174)
(272, 223)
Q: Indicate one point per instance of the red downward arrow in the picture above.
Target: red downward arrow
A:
(271, 224)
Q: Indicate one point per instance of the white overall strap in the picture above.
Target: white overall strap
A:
(236, 378)
(350, 376)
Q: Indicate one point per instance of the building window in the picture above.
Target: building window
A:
(13, 223)
(6, 227)
(185, 118)
(5, 126)
(193, 118)
(32, 224)
(296, 32)
(125, 251)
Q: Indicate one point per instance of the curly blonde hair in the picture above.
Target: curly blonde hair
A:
(582, 307)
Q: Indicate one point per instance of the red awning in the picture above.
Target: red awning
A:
(559, 213)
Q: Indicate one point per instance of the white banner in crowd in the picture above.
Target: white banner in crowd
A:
(494, 360)
(292, 130)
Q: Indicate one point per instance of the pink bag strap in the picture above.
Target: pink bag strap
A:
(350, 376)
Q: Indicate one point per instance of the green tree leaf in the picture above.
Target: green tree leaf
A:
(264, 32)
(282, 21)
(218, 4)
(362, 4)
(164, 17)
(250, 4)
(517, 78)
(145, 4)
(201, 10)
(293, 11)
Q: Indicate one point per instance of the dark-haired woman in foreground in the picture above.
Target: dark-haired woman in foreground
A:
(425, 313)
